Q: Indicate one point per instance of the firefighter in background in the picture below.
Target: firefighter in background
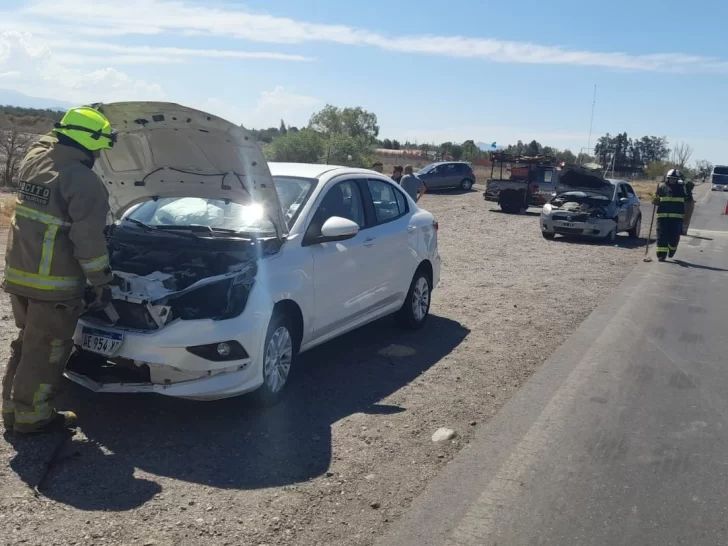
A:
(670, 203)
(56, 246)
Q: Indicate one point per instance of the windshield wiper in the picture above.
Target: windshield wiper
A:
(139, 223)
(198, 227)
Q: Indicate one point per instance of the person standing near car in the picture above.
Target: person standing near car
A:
(397, 173)
(378, 167)
(689, 205)
(670, 203)
(412, 184)
(56, 246)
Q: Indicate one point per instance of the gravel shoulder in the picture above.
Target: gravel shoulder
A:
(350, 447)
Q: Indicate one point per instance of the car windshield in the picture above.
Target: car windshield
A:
(185, 212)
(293, 192)
(427, 169)
(720, 170)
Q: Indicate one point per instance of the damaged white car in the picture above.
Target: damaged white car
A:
(226, 272)
(588, 205)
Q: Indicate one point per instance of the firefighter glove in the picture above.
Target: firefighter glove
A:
(97, 298)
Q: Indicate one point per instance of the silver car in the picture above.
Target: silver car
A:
(592, 207)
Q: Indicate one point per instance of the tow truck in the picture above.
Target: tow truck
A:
(532, 182)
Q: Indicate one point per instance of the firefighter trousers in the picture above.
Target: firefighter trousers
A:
(37, 359)
(668, 236)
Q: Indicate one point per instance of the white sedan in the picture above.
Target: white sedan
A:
(228, 267)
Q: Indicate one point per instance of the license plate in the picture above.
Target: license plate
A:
(568, 224)
(100, 341)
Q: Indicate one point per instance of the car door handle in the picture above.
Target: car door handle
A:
(411, 229)
(369, 242)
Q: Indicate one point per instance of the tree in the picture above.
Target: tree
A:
(387, 144)
(681, 154)
(470, 152)
(14, 142)
(396, 145)
(533, 148)
(305, 146)
(354, 122)
(282, 130)
(343, 149)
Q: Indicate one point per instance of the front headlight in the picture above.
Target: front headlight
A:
(546, 210)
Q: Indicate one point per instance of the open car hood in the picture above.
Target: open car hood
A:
(168, 150)
(583, 179)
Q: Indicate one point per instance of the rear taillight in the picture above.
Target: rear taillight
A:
(436, 225)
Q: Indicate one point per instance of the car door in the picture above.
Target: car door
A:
(634, 205)
(623, 209)
(393, 236)
(432, 177)
(342, 270)
(449, 176)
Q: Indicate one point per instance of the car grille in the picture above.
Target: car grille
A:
(571, 217)
(568, 230)
(131, 315)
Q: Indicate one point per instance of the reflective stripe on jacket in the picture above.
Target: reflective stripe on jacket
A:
(56, 241)
(670, 201)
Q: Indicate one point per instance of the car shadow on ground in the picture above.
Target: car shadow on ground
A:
(622, 241)
(452, 191)
(229, 444)
(525, 213)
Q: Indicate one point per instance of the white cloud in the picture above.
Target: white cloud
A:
(152, 17)
(142, 54)
(271, 107)
(30, 67)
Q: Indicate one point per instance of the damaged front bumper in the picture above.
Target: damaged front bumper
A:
(168, 361)
(590, 227)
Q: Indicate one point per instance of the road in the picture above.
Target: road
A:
(621, 438)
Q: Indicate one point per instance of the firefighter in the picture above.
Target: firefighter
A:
(56, 258)
(670, 203)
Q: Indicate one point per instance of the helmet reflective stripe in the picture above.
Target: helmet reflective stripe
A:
(88, 127)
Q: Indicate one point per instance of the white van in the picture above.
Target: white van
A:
(719, 178)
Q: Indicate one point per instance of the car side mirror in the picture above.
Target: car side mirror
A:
(623, 200)
(337, 228)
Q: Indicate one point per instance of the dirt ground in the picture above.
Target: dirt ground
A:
(350, 447)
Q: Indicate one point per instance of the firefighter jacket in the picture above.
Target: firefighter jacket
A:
(670, 201)
(56, 241)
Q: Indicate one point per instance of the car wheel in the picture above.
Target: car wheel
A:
(547, 235)
(279, 354)
(466, 184)
(611, 237)
(416, 307)
(634, 233)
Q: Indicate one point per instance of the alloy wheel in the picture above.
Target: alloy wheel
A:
(278, 358)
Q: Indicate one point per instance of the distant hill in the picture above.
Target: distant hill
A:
(14, 98)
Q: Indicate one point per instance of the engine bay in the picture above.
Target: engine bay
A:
(163, 278)
(581, 206)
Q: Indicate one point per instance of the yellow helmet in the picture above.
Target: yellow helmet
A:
(88, 127)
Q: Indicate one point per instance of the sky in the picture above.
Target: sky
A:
(431, 71)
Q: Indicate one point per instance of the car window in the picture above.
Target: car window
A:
(623, 191)
(389, 204)
(343, 200)
(630, 191)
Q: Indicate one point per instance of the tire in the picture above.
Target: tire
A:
(634, 233)
(416, 307)
(279, 355)
(547, 235)
(466, 184)
(511, 202)
(611, 237)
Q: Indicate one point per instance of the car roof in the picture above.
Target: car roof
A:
(314, 170)
(449, 162)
